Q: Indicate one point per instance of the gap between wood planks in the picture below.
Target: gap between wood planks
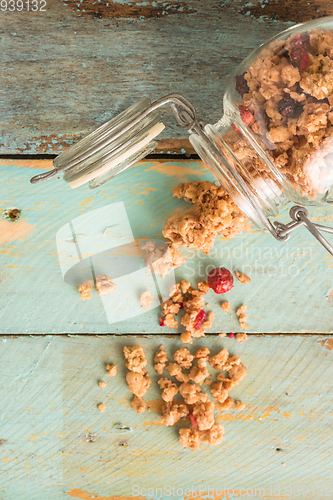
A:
(153, 156)
(148, 335)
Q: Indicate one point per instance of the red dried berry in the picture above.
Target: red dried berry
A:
(287, 106)
(246, 115)
(241, 85)
(220, 280)
(201, 317)
(161, 322)
(231, 335)
(304, 62)
(236, 129)
(299, 51)
(193, 420)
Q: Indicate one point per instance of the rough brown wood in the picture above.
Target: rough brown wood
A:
(65, 71)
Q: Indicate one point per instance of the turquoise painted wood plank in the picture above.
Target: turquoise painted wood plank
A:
(56, 444)
(290, 288)
(73, 65)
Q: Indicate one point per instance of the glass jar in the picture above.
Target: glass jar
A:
(273, 145)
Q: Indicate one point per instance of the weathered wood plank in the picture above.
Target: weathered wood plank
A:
(291, 284)
(56, 444)
(68, 69)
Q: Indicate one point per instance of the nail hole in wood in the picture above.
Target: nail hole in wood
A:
(13, 214)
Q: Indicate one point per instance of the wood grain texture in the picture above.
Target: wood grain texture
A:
(56, 444)
(65, 71)
(290, 291)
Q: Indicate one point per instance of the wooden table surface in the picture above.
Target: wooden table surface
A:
(64, 71)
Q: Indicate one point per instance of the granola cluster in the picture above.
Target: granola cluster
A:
(191, 301)
(137, 378)
(287, 102)
(214, 213)
(196, 404)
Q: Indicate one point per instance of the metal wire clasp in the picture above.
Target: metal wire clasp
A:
(123, 130)
(299, 217)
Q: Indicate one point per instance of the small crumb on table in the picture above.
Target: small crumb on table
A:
(102, 407)
(104, 285)
(112, 370)
(85, 288)
(242, 277)
(146, 300)
(102, 385)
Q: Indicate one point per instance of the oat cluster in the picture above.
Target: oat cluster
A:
(194, 318)
(287, 102)
(137, 378)
(213, 213)
(181, 389)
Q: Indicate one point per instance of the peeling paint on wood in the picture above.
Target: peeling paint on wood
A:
(82, 63)
(284, 276)
(58, 445)
(297, 11)
(128, 10)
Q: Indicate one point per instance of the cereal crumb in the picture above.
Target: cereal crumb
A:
(219, 392)
(146, 300)
(241, 310)
(203, 286)
(102, 385)
(189, 438)
(112, 370)
(239, 405)
(242, 277)
(212, 436)
(208, 381)
(192, 393)
(135, 359)
(160, 359)
(219, 359)
(104, 285)
(226, 306)
(85, 288)
(170, 321)
(237, 373)
(102, 407)
(175, 371)
(202, 353)
(138, 383)
(240, 337)
(170, 389)
(227, 404)
(222, 334)
(204, 413)
(173, 412)
(184, 358)
(184, 285)
(244, 325)
(139, 405)
(242, 318)
(186, 338)
(199, 372)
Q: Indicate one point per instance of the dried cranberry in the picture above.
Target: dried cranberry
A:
(161, 322)
(299, 51)
(241, 85)
(231, 335)
(220, 280)
(193, 420)
(236, 129)
(287, 106)
(246, 115)
(180, 305)
(201, 317)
